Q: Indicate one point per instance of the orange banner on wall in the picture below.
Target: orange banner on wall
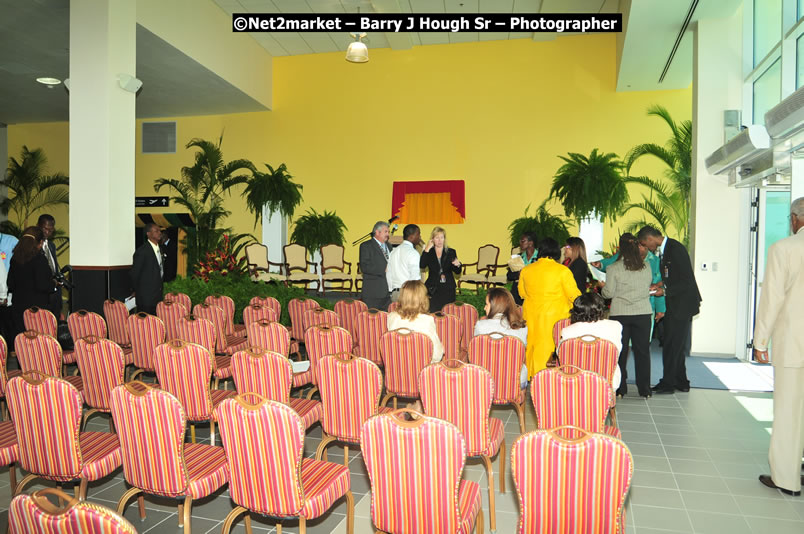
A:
(435, 202)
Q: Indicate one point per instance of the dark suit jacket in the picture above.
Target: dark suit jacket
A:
(52, 247)
(146, 279)
(30, 283)
(681, 290)
(429, 261)
(580, 271)
(372, 265)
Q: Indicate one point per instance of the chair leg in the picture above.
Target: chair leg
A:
(215, 384)
(613, 414)
(82, 495)
(520, 410)
(502, 466)
(492, 506)
(121, 504)
(141, 506)
(395, 406)
(321, 451)
(302, 525)
(230, 519)
(185, 514)
(12, 476)
(311, 392)
(111, 424)
(346, 456)
(386, 399)
(212, 432)
(279, 528)
(350, 512)
(24, 482)
(192, 433)
(479, 522)
(247, 523)
(87, 415)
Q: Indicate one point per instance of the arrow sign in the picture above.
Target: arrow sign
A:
(151, 202)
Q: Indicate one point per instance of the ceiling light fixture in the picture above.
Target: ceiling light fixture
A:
(357, 52)
(50, 82)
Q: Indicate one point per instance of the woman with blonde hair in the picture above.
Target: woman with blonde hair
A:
(575, 258)
(442, 265)
(412, 314)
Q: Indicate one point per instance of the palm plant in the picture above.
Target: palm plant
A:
(590, 186)
(542, 223)
(275, 190)
(314, 230)
(201, 191)
(32, 189)
(667, 202)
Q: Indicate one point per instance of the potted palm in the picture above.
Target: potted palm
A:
(275, 191)
(314, 230)
(542, 223)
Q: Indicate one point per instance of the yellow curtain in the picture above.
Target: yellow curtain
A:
(429, 208)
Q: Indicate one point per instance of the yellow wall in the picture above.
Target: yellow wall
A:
(495, 114)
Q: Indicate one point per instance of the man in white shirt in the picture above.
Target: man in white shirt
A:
(403, 263)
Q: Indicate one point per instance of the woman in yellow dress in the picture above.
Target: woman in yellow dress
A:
(549, 290)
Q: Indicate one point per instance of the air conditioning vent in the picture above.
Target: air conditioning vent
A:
(742, 147)
(159, 137)
(786, 117)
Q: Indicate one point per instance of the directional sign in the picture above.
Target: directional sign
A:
(151, 202)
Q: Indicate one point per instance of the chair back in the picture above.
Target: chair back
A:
(3, 366)
(268, 374)
(392, 307)
(257, 255)
(450, 332)
(147, 331)
(332, 257)
(271, 302)
(225, 303)
(38, 352)
(295, 257)
(35, 514)
(264, 445)
(371, 326)
(47, 415)
(102, 366)
(296, 309)
(461, 394)
(591, 354)
(348, 310)
(468, 316)
(170, 312)
(487, 256)
(405, 353)
(323, 340)
(198, 330)
(181, 298)
(558, 327)
(40, 320)
(217, 317)
(350, 389)
(84, 323)
(269, 336)
(319, 316)
(150, 424)
(502, 356)
(116, 315)
(184, 370)
(591, 501)
(415, 470)
(256, 312)
(568, 396)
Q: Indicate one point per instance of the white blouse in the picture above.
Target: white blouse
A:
(422, 323)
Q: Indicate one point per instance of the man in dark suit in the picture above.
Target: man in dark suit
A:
(374, 255)
(683, 302)
(147, 270)
(48, 224)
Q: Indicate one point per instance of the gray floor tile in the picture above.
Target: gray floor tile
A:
(687, 482)
(775, 508)
(657, 517)
(651, 463)
(714, 523)
(653, 479)
(763, 525)
(667, 498)
(710, 502)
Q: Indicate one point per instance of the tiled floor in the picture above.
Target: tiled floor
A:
(697, 458)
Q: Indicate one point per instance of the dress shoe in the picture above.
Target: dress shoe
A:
(665, 391)
(659, 385)
(767, 481)
(684, 389)
(647, 396)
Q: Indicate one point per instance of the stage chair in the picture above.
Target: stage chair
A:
(334, 268)
(405, 353)
(259, 266)
(296, 266)
(503, 357)
(485, 266)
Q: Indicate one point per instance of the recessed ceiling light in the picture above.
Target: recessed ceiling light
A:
(50, 82)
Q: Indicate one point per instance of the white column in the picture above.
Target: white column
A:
(274, 235)
(797, 178)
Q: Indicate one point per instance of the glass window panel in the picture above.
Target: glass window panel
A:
(767, 91)
(800, 10)
(800, 60)
(767, 27)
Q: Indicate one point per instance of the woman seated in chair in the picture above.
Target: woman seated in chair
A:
(412, 314)
(502, 316)
(586, 319)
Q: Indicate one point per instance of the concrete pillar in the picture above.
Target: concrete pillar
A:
(797, 178)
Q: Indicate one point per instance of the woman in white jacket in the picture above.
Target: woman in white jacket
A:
(412, 313)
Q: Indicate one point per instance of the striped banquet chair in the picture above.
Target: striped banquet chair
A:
(83, 323)
(147, 332)
(568, 396)
(461, 394)
(409, 463)
(270, 375)
(350, 389)
(393, 306)
(170, 312)
(9, 452)
(268, 473)
(181, 298)
(256, 312)
(319, 316)
(225, 343)
(405, 353)
(103, 368)
(323, 340)
(42, 353)
(201, 331)
(468, 316)
(270, 302)
(47, 419)
(571, 481)
(184, 370)
(450, 332)
(348, 310)
(227, 304)
(271, 336)
(40, 320)
(371, 325)
(502, 356)
(156, 460)
(296, 309)
(5, 374)
(591, 354)
(558, 327)
(35, 514)
(116, 315)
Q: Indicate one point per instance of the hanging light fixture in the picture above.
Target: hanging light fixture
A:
(357, 52)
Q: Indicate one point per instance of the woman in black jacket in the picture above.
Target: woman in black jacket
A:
(30, 280)
(442, 265)
(575, 259)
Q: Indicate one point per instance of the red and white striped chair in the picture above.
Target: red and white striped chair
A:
(270, 375)
(502, 356)
(319, 316)
(296, 309)
(323, 340)
(116, 315)
(392, 307)
(371, 326)
(201, 331)
(257, 312)
(181, 298)
(468, 316)
(461, 394)
(40, 320)
(591, 354)
(558, 327)
(5, 374)
(103, 368)
(405, 353)
(184, 370)
(591, 500)
(268, 473)
(160, 462)
(9, 452)
(47, 419)
(348, 310)
(228, 306)
(224, 343)
(170, 312)
(568, 396)
(147, 332)
(410, 460)
(450, 332)
(35, 514)
(84, 323)
(270, 302)
(42, 353)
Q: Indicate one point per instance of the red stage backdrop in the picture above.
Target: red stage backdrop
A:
(436, 202)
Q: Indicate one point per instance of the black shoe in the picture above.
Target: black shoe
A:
(766, 480)
(684, 389)
(659, 385)
(647, 396)
(665, 391)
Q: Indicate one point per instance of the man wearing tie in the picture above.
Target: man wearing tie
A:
(374, 255)
(147, 270)
(48, 223)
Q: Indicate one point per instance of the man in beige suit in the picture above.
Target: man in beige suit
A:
(778, 318)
